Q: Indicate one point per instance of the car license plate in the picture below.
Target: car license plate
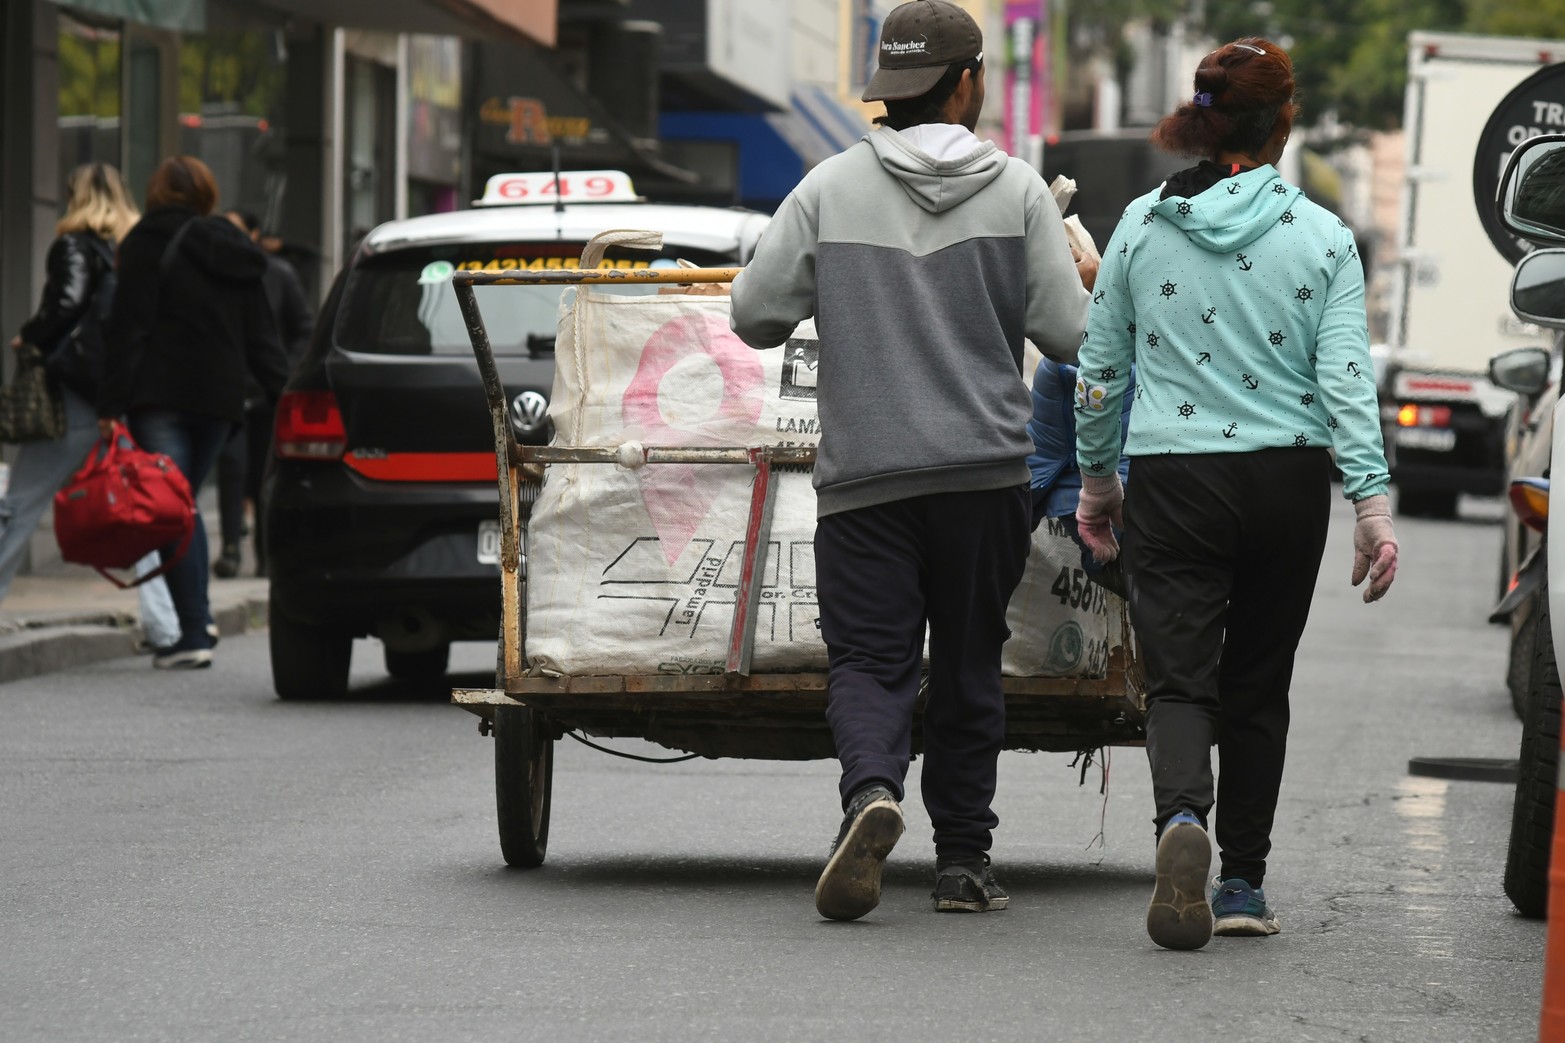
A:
(1435, 439)
(489, 543)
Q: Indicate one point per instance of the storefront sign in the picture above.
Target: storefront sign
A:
(527, 122)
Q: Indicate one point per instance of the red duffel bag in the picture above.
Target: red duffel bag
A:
(122, 505)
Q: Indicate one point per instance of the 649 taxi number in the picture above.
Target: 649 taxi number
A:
(1072, 587)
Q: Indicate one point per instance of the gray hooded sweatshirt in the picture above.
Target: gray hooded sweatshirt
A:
(923, 275)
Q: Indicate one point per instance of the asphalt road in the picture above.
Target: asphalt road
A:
(184, 858)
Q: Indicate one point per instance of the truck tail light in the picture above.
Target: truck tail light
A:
(1530, 501)
(309, 427)
(1414, 415)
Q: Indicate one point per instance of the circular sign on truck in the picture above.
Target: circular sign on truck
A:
(1535, 106)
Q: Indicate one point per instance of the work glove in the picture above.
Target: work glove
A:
(1374, 546)
(1100, 511)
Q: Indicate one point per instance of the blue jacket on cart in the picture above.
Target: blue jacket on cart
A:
(1056, 477)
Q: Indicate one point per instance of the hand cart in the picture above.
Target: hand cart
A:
(778, 716)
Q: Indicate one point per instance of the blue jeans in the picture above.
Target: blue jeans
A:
(192, 441)
(40, 470)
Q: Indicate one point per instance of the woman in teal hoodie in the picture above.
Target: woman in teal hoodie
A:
(1241, 304)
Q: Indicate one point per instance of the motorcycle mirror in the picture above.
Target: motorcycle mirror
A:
(1522, 370)
(1538, 289)
(1532, 190)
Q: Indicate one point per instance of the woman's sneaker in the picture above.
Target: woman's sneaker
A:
(968, 887)
(187, 654)
(849, 886)
(1179, 915)
(1239, 910)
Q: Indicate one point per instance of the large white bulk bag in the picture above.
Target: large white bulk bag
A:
(635, 571)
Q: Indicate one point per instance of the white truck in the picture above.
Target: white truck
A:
(1445, 422)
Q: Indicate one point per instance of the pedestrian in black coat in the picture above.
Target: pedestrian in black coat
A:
(242, 463)
(190, 321)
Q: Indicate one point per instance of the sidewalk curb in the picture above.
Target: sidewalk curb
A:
(59, 642)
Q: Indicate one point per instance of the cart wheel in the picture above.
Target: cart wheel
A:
(524, 783)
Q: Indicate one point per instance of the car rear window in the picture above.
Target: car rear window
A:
(402, 303)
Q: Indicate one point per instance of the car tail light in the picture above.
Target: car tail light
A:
(1530, 501)
(1413, 415)
(309, 426)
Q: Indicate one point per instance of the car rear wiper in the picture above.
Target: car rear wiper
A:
(540, 344)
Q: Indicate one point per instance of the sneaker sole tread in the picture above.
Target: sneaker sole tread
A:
(1246, 926)
(1180, 915)
(849, 886)
(957, 905)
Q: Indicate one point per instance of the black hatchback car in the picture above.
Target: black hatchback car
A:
(381, 498)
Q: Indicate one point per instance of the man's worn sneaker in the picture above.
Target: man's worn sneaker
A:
(849, 886)
(1240, 910)
(1179, 916)
(962, 887)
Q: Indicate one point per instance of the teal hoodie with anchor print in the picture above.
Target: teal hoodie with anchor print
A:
(1242, 308)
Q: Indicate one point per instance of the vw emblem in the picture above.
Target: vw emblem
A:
(529, 412)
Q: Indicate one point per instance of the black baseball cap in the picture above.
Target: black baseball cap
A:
(919, 41)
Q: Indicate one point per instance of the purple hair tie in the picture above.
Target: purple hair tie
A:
(1203, 99)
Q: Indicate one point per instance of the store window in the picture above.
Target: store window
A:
(89, 102)
(232, 93)
(434, 160)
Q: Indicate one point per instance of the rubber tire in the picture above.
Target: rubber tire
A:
(524, 784)
(308, 662)
(1532, 818)
(1524, 646)
(427, 665)
(1427, 504)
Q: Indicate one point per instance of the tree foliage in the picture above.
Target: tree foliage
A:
(1350, 56)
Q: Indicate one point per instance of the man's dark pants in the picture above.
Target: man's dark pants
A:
(1222, 550)
(951, 560)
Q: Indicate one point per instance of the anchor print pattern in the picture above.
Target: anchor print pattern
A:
(1236, 379)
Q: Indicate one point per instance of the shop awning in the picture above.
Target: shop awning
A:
(183, 15)
(534, 21)
(834, 126)
(774, 150)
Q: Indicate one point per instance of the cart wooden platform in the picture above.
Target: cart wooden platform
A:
(735, 713)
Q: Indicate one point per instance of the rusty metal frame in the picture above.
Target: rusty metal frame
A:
(519, 466)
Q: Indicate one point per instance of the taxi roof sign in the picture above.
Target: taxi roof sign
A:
(572, 186)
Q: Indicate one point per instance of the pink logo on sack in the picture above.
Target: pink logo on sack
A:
(678, 496)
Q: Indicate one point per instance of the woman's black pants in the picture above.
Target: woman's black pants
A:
(1222, 551)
